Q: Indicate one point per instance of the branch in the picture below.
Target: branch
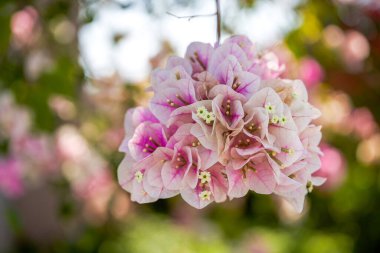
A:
(218, 21)
(192, 16)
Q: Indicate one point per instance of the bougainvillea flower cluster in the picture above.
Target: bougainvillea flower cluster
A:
(221, 123)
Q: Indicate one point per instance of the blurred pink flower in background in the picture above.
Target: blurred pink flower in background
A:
(63, 107)
(286, 59)
(14, 121)
(38, 61)
(336, 108)
(333, 36)
(37, 152)
(95, 184)
(375, 4)
(368, 151)
(96, 192)
(11, 184)
(355, 50)
(256, 242)
(24, 26)
(88, 174)
(352, 45)
(310, 71)
(362, 122)
(333, 168)
(80, 161)
(271, 66)
(112, 138)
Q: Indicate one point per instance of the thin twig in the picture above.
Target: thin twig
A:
(218, 21)
(192, 16)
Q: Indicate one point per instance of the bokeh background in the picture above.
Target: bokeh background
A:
(70, 69)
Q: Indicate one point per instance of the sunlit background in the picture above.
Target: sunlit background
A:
(70, 69)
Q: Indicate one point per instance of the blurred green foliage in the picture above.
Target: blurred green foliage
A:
(62, 76)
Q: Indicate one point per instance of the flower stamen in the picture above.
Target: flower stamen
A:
(181, 99)
(289, 151)
(153, 141)
(249, 167)
(181, 161)
(228, 107)
(149, 148)
(243, 143)
(235, 83)
(272, 154)
(195, 143)
(252, 128)
(199, 60)
(171, 103)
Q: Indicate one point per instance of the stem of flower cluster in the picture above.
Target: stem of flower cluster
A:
(218, 21)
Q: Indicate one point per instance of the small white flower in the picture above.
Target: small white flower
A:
(205, 195)
(205, 177)
(201, 112)
(270, 108)
(210, 117)
(283, 120)
(139, 176)
(204, 114)
(275, 119)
